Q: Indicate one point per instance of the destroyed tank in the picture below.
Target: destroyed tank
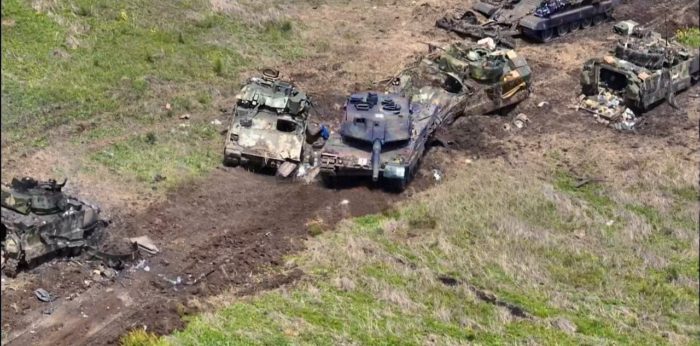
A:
(39, 220)
(269, 124)
(384, 134)
(644, 69)
(538, 20)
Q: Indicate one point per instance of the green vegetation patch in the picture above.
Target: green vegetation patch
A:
(168, 156)
(484, 259)
(106, 61)
(689, 37)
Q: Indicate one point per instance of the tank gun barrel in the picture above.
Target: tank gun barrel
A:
(376, 158)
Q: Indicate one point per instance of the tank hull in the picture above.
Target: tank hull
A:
(502, 23)
(494, 79)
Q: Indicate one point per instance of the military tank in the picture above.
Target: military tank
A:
(644, 69)
(538, 20)
(384, 134)
(39, 220)
(269, 124)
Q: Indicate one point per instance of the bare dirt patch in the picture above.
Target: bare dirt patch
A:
(233, 229)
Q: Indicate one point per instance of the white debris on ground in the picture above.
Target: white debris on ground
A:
(609, 109)
(146, 244)
(487, 42)
(437, 175)
(216, 122)
(521, 120)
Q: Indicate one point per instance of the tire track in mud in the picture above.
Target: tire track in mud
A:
(228, 230)
(232, 223)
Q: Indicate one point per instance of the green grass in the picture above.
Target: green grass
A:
(541, 246)
(115, 65)
(187, 151)
(689, 37)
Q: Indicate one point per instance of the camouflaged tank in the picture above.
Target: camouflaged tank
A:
(539, 20)
(269, 124)
(644, 69)
(39, 220)
(384, 134)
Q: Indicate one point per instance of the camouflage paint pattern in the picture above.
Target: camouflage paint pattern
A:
(502, 19)
(432, 92)
(643, 70)
(268, 126)
(38, 219)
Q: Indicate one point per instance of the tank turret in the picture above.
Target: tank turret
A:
(377, 120)
(39, 219)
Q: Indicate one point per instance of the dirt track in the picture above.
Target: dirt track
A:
(235, 227)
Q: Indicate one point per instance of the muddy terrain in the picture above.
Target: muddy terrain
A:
(231, 230)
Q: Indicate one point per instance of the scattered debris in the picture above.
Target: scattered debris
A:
(185, 116)
(175, 282)
(167, 106)
(609, 109)
(158, 178)
(437, 175)
(542, 104)
(487, 42)
(521, 120)
(216, 122)
(44, 295)
(286, 169)
(141, 264)
(62, 217)
(344, 202)
(645, 68)
(610, 223)
(146, 244)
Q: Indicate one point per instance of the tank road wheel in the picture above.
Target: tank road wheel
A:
(597, 19)
(397, 185)
(11, 266)
(576, 25)
(586, 22)
(563, 29)
(329, 181)
(231, 162)
(546, 35)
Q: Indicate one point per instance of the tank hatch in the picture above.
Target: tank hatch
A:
(371, 116)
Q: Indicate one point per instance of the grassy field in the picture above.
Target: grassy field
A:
(494, 254)
(492, 257)
(105, 74)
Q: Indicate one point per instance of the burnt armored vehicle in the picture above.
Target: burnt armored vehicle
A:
(269, 124)
(39, 220)
(538, 20)
(384, 134)
(644, 69)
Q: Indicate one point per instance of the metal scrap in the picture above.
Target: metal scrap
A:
(146, 244)
(609, 109)
(44, 295)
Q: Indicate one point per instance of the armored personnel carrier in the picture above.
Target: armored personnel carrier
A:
(644, 69)
(384, 134)
(538, 20)
(39, 220)
(269, 124)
